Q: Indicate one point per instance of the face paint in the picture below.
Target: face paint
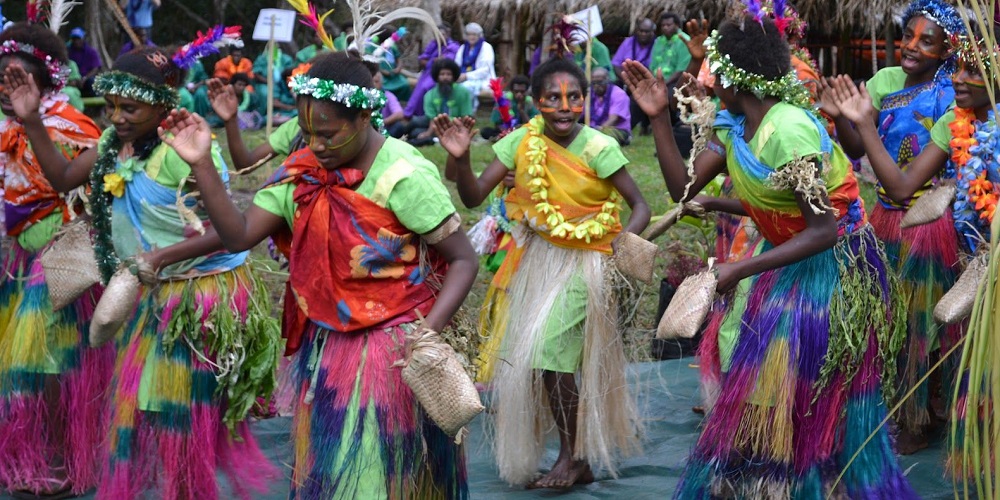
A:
(324, 142)
(969, 75)
(562, 101)
(921, 27)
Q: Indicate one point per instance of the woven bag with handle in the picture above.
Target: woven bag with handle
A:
(931, 205)
(691, 303)
(69, 265)
(115, 307)
(957, 303)
(442, 387)
(635, 257)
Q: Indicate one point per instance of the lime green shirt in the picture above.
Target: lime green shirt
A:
(601, 153)
(282, 138)
(941, 133)
(459, 104)
(885, 82)
(400, 180)
(670, 55)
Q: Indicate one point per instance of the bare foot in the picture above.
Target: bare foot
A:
(908, 443)
(564, 475)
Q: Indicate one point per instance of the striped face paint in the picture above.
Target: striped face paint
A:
(562, 93)
(317, 132)
(925, 37)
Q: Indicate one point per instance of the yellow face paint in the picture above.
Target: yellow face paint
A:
(324, 142)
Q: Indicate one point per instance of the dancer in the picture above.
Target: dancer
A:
(371, 214)
(909, 100)
(200, 346)
(803, 391)
(52, 383)
(560, 313)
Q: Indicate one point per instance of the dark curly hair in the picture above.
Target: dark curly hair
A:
(342, 67)
(519, 80)
(755, 47)
(553, 66)
(671, 15)
(44, 40)
(152, 64)
(445, 63)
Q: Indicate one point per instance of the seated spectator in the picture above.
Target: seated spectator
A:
(415, 104)
(234, 63)
(444, 98)
(194, 92)
(522, 108)
(609, 108)
(391, 69)
(392, 112)
(475, 58)
(284, 107)
(87, 59)
(282, 63)
(144, 41)
(310, 51)
(72, 88)
(638, 47)
(249, 115)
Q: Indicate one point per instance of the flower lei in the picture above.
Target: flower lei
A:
(100, 202)
(347, 94)
(58, 72)
(977, 170)
(596, 227)
(133, 87)
(788, 88)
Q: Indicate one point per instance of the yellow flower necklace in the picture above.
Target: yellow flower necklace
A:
(596, 227)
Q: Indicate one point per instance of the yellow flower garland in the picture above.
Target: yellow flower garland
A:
(537, 153)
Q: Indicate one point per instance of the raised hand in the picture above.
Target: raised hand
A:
(189, 135)
(827, 101)
(855, 104)
(692, 86)
(22, 91)
(698, 31)
(455, 135)
(223, 99)
(648, 91)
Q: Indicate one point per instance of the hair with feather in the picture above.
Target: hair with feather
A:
(311, 19)
(34, 11)
(58, 10)
(565, 32)
(207, 43)
(368, 22)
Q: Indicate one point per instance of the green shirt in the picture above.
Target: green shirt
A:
(601, 153)
(282, 138)
(941, 132)
(340, 43)
(400, 180)
(196, 74)
(670, 55)
(514, 111)
(885, 82)
(308, 53)
(459, 104)
(600, 57)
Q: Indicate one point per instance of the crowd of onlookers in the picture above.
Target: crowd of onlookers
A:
(453, 79)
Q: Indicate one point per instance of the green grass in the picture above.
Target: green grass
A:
(639, 305)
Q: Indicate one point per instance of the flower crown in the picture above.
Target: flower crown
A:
(788, 88)
(350, 95)
(58, 72)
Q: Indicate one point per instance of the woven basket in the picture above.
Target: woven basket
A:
(69, 265)
(115, 307)
(931, 205)
(957, 303)
(635, 257)
(689, 307)
(436, 377)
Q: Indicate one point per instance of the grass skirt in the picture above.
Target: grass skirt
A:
(358, 431)
(167, 428)
(607, 421)
(926, 260)
(39, 347)
(803, 391)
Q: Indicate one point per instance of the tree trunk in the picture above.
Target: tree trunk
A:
(96, 31)
(433, 7)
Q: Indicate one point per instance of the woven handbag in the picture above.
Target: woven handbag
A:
(635, 257)
(931, 205)
(957, 303)
(69, 265)
(690, 305)
(439, 382)
(115, 307)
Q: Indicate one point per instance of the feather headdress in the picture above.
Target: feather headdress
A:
(565, 33)
(368, 22)
(311, 19)
(55, 11)
(206, 44)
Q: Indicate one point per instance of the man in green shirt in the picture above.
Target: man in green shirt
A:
(444, 98)
(671, 56)
(600, 57)
(522, 108)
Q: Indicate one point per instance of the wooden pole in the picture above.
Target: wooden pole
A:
(270, 80)
(590, 51)
(123, 21)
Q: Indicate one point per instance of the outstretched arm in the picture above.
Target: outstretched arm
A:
(226, 105)
(64, 175)
(456, 136)
(856, 105)
(191, 138)
(650, 93)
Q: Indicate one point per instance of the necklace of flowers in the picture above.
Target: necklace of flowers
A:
(973, 155)
(803, 54)
(596, 227)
